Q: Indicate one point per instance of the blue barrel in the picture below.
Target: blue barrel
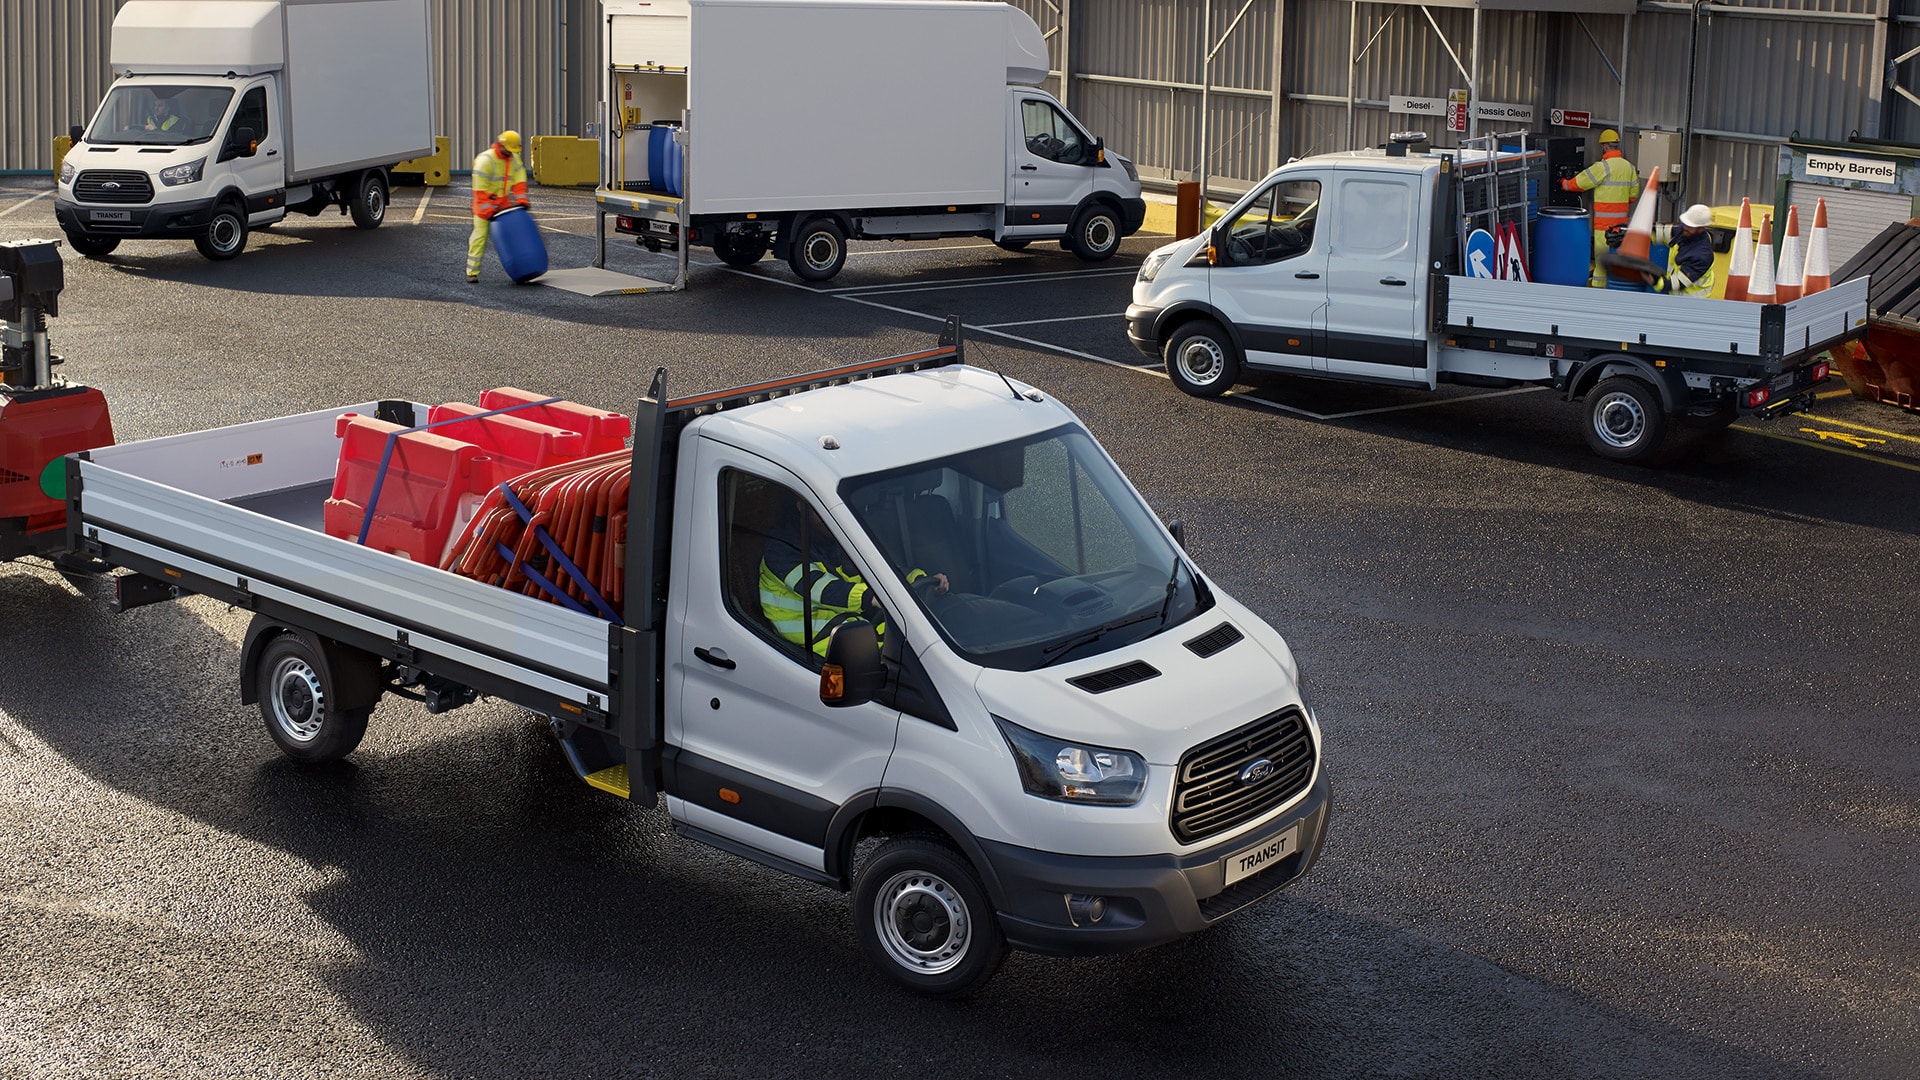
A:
(665, 160)
(1563, 246)
(1657, 255)
(516, 239)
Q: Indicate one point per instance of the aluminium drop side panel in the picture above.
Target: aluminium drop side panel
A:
(846, 105)
(359, 85)
(171, 499)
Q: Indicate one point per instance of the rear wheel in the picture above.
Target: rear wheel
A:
(93, 247)
(226, 234)
(922, 915)
(1201, 359)
(298, 701)
(740, 248)
(1624, 420)
(369, 206)
(1012, 245)
(819, 249)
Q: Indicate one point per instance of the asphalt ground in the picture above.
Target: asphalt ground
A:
(1624, 759)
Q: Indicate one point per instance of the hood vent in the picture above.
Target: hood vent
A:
(1114, 678)
(1214, 640)
(156, 150)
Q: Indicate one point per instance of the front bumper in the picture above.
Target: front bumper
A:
(1150, 899)
(172, 219)
(1133, 214)
(1140, 329)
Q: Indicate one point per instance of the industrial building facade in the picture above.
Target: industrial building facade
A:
(1228, 89)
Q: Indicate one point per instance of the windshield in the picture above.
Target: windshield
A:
(156, 114)
(1028, 554)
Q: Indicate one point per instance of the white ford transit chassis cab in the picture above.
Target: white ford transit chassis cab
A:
(226, 115)
(1049, 730)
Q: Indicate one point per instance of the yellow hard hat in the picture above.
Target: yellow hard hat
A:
(1607, 136)
(510, 139)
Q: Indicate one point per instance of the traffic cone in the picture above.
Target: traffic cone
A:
(1760, 285)
(1632, 258)
(1792, 270)
(1740, 263)
(1819, 273)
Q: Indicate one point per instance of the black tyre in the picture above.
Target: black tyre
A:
(740, 248)
(1201, 359)
(1095, 235)
(296, 693)
(1709, 419)
(922, 915)
(819, 249)
(369, 205)
(226, 234)
(1624, 420)
(93, 247)
(1012, 245)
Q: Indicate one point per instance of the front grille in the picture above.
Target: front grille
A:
(1099, 682)
(127, 186)
(1209, 796)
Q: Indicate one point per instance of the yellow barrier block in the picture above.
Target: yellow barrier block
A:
(61, 144)
(1160, 216)
(434, 170)
(564, 161)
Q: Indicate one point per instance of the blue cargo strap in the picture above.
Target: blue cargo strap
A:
(560, 558)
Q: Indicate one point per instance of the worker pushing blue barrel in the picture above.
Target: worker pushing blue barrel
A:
(500, 209)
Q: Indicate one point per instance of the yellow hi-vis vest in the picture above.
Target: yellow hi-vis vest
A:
(497, 182)
(786, 609)
(1615, 183)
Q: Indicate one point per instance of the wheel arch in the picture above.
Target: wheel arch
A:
(789, 225)
(1673, 398)
(357, 676)
(1175, 316)
(893, 813)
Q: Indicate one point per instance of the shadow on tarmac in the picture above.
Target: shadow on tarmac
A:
(505, 920)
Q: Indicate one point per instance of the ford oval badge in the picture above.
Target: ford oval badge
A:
(1256, 772)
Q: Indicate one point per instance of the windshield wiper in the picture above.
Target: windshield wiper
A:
(1173, 586)
(1090, 636)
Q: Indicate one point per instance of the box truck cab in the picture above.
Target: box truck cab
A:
(1002, 707)
(728, 129)
(229, 113)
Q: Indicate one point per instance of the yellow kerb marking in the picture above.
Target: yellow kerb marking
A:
(1858, 442)
(1879, 458)
(1868, 430)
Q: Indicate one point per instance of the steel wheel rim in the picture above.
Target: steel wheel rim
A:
(820, 250)
(1099, 233)
(923, 923)
(1619, 420)
(299, 702)
(376, 203)
(224, 233)
(1201, 361)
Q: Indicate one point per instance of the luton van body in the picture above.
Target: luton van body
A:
(227, 114)
(796, 125)
(1043, 728)
(1348, 266)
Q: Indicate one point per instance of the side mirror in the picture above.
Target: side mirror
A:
(243, 142)
(1215, 245)
(76, 132)
(1178, 529)
(1100, 151)
(852, 675)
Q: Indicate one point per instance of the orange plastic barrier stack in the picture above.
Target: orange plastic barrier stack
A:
(558, 533)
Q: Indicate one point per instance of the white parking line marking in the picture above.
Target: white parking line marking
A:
(23, 202)
(1431, 404)
(978, 284)
(918, 250)
(421, 210)
(1069, 318)
(1006, 279)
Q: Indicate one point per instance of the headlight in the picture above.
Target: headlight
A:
(175, 175)
(1153, 264)
(1069, 772)
(1133, 174)
(66, 172)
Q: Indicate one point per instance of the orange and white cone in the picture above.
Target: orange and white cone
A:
(1819, 274)
(1740, 263)
(1760, 285)
(1791, 274)
(1634, 255)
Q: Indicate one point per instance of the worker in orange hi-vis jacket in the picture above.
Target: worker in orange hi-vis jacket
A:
(499, 181)
(1614, 181)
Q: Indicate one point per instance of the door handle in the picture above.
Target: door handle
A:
(273, 153)
(1029, 168)
(1307, 275)
(716, 657)
(1391, 281)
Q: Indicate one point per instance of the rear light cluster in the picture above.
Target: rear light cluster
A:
(1758, 396)
(1821, 370)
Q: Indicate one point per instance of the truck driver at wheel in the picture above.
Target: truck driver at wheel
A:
(820, 585)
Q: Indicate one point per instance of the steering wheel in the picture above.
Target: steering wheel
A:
(1239, 251)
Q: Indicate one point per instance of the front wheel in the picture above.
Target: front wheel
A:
(922, 915)
(819, 249)
(1095, 234)
(93, 247)
(369, 206)
(226, 234)
(1624, 420)
(1201, 359)
(298, 701)
(1012, 245)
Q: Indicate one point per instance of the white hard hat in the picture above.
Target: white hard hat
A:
(1697, 216)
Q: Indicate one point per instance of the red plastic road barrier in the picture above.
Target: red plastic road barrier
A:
(517, 445)
(420, 495)
(604, 431)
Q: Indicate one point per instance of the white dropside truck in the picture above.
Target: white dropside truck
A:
(227, 114)
(1348, 266)
(1062, 737)
(804, 123)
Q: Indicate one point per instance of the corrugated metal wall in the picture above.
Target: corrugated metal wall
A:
(1134, 69)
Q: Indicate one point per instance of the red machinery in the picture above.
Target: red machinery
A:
(42, 416)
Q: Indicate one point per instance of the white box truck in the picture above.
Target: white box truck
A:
(226, 114)
(798, 124)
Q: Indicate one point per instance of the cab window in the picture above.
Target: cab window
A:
(1376, 218)
(1277, 225)
(787, 577)
(252, 115)
(1050, 134)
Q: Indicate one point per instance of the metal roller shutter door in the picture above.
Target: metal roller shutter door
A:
(1853, 217)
